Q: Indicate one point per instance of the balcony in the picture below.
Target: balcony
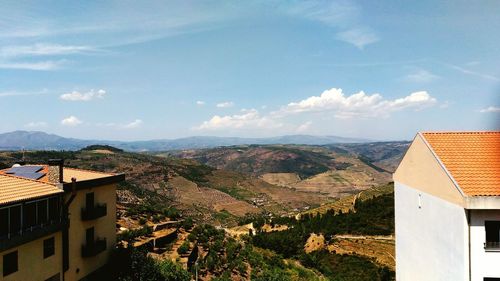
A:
(91, 250)
(94, 212)
(16, 238)
(492, 246)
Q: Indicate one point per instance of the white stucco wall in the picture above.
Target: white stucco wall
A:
(484, 263)
(431, 241)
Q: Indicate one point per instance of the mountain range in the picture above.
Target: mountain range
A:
(36, 140)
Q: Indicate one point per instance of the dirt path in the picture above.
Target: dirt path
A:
(364, 237)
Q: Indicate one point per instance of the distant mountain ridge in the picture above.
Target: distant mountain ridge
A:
(36, 140)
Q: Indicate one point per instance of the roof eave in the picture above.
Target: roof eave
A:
(482, 202)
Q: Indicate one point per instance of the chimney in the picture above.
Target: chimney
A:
(56, 170)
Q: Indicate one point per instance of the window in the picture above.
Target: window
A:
(42, 211)
(29, 215)
(54, 209)
(4, 222)
(492, 234)
(491, 279)
(48, 247)
(89, 236)
(9, 263)
(15, 219)
(89, 200)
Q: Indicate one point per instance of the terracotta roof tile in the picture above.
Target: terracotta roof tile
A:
(472, 159)
(14, 189)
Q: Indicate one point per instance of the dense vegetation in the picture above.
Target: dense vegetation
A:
(226, 257)
(131, 264)
(372, 217)
(102, 147)
(345, 267)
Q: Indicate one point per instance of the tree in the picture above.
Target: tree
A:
(171, 271)
(184, 248)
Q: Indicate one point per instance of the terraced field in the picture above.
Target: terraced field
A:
(346, 203)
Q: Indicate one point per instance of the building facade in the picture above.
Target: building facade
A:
(56, 223)
(447, 207)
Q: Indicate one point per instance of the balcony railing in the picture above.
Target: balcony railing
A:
(94, 212)
(91, 250)
(492, 246)
(31, 233)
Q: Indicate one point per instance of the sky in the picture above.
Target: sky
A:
(138, 70)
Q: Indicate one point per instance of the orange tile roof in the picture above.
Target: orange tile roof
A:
(472, 159)
(15, 189)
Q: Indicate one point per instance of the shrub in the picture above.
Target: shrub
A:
(184, 248)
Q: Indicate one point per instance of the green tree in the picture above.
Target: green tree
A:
(171, 271)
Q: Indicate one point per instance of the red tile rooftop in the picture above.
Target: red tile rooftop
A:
(472, 159)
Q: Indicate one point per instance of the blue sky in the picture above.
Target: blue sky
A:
(130, 70)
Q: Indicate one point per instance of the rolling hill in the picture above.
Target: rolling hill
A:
(34, 140)
(335, 170)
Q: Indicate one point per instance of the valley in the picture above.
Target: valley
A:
(250, 189)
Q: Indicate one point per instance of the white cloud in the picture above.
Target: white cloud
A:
(200, 103)
(42, 65)
(359, 37)
(421, 76)
(330, 102)
(445, 104)
(42, 49)
(490, 109)
(20, 94)
(304, 127)
(225, 104)
(71, 121)
(473, 73)
(356, 105)
(77, 96)
(333, 13)
(36, 124)
(248, 119)
(134, 124)
(345, 16)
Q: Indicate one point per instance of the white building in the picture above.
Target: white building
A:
(447, 203)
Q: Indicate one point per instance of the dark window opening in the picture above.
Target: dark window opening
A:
(54, 209)
(9, 263)
(491, 279)
(4, 222)
(48, 247)
(42, 211)
(89, 200)
(29, 215)
(492, 234)
(15, 219)
(89, 236)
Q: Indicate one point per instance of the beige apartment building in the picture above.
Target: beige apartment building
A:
(56, 223)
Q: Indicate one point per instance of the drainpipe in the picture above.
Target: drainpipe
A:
(468, 229)
(65, 232)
